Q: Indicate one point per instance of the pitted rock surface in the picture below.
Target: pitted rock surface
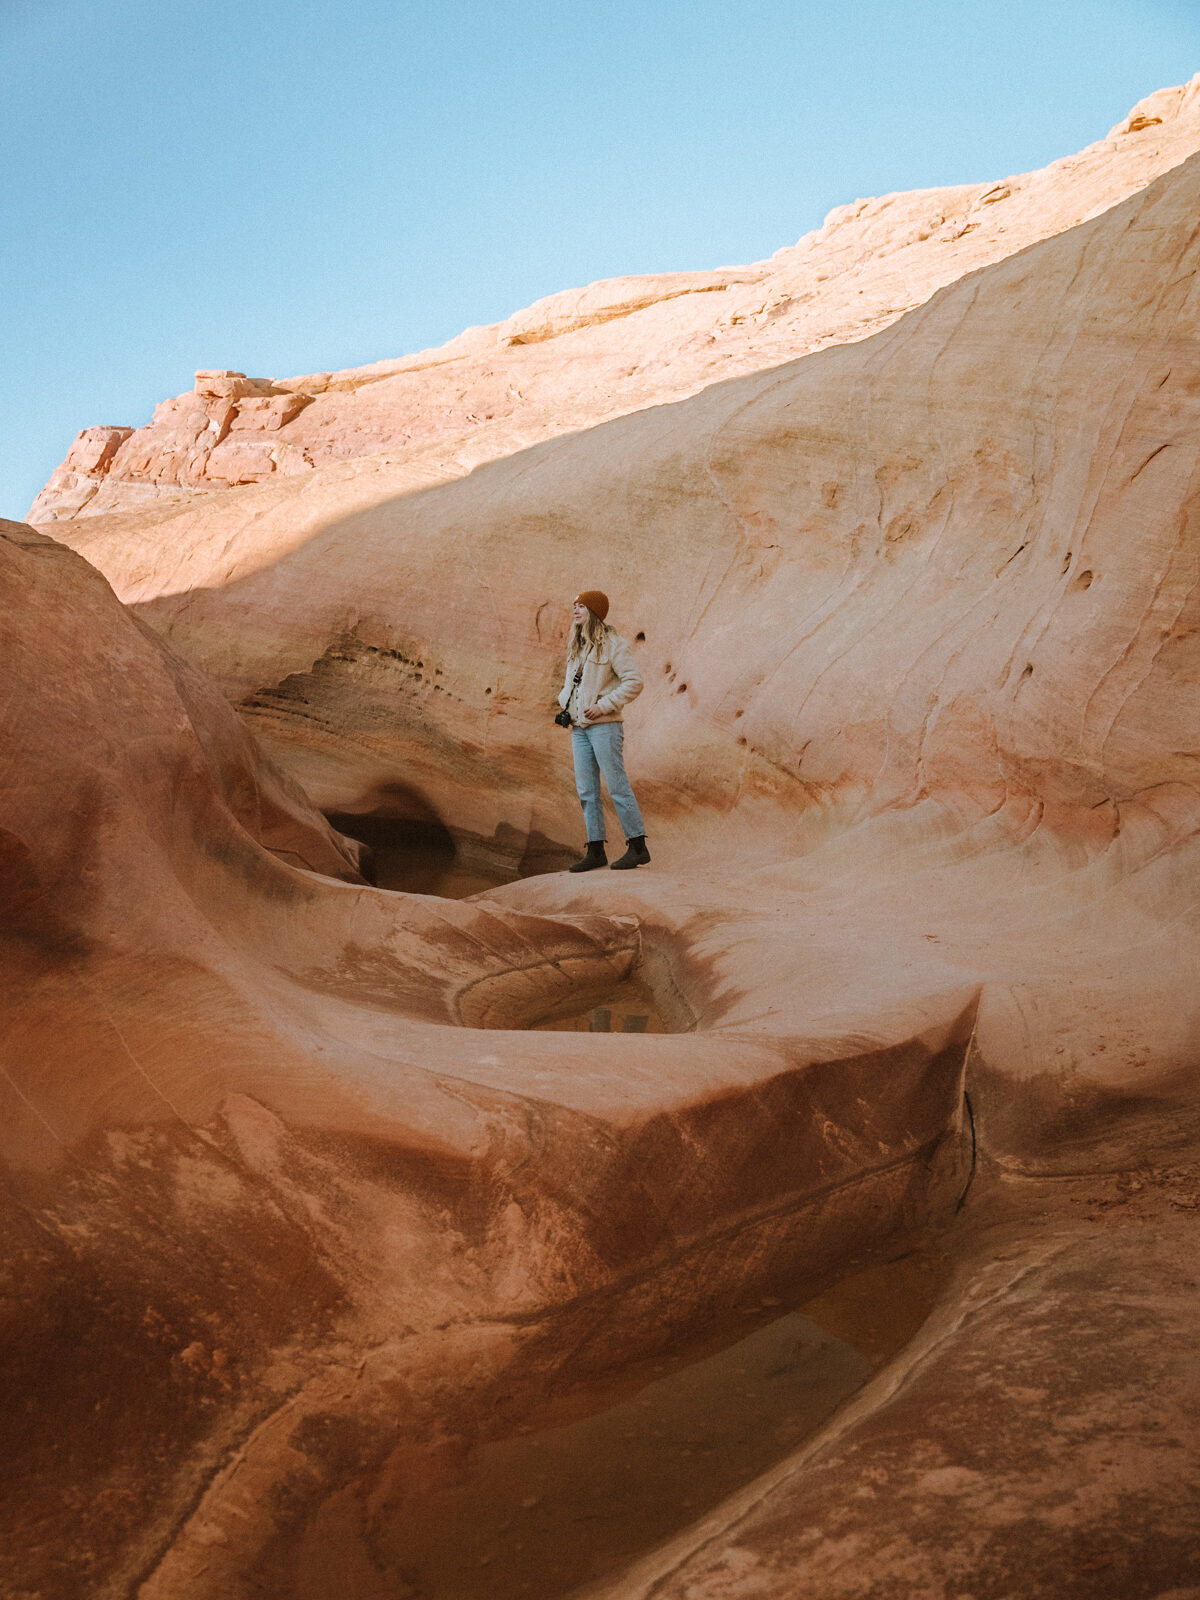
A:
(576, 358)
(297, 1203)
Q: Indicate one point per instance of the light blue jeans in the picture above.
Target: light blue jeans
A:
(600, 749)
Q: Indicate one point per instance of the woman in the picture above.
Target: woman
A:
(601, 678)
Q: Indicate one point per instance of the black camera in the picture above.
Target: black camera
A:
(563, 718)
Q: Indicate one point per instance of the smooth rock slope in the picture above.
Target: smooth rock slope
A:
(918, 623)
(289, 1196)
(578, 357)
(920, 618)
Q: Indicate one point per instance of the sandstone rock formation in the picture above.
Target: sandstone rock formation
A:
(578, 357)
(919, 617)
(1020, 1445)
(922, 602)
(286, 1197)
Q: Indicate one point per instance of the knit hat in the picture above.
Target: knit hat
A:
(594, 600)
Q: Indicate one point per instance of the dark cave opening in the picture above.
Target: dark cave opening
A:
(417, 856)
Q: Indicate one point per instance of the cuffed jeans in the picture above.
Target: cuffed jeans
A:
(599, 749)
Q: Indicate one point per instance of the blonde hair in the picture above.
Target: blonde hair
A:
(587, 636)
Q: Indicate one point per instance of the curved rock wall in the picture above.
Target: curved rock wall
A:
(917, 617)
(290, 1195)
(583, 355)
(287, 1191)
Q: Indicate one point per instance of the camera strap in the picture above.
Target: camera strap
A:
(575, 682)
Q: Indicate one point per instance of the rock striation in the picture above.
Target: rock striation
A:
(918, 604)
(219, 434)
(288, 1191)
(581, 356)
(913, 609)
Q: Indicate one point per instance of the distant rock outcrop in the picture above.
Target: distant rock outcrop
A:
(581, 356)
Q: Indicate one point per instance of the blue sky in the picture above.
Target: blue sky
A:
(282, 186)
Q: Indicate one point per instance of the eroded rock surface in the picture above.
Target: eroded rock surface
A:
(583, 355)
(289, 1195)
(919, 620)
(919, 617)
(1020, 1446)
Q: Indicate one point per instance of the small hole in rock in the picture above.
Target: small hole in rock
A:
(1084, 580)
(1067, 562)
(667, 666)
(487, 691)
(1028, 673)
(681, 689)
(641, 638)
(739, 713)
(627, 1006)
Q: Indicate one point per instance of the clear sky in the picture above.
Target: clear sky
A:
(284, 186)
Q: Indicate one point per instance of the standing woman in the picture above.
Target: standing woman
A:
(601, 678)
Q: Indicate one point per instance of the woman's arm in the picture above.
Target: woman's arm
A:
(631, 684)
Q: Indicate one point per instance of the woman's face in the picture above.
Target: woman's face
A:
(579, 613)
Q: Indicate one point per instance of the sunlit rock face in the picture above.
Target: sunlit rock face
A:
(581, 356)
(918, 616)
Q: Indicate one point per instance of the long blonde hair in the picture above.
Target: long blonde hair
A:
(587, 637)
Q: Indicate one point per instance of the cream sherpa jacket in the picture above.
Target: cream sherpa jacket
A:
(610, 680)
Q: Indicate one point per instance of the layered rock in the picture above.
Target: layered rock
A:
(918, 615)
(219, 434)
(287, 1196)
(583, 355)
(915, 621)
(1019, 1446)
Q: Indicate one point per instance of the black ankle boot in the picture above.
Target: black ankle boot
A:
(635, 856)
(595, 857)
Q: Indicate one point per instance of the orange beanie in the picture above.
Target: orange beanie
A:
(594, 600)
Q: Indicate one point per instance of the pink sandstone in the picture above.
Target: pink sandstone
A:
(902, 672)
(918, 612)
(578, 357)
(264, 1126)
